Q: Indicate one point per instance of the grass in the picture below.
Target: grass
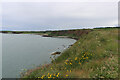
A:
(94, 55)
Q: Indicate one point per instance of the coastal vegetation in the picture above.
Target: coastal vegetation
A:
(94, 55)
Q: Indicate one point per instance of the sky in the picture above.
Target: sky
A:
(45, 15)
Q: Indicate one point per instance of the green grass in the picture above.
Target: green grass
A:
(94, 55)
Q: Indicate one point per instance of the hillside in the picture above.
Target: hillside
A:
(94, 55)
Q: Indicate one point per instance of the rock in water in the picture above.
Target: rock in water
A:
(55, 53)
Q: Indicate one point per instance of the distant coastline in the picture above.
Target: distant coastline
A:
(73, 34)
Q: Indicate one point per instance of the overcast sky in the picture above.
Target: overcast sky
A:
(58, 15)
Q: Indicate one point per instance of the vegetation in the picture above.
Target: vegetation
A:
(76, 34)
(94, 55)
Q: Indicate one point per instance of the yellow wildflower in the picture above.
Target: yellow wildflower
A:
(42, 77)
(67, 60)
(76, 58)
(70, 71)
(50, 75)
(70, 63)
(54, 74)
(79, 63)
(66, 75)
(58, 73)
(87, 57)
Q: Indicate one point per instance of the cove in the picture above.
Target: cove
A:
(26, 51)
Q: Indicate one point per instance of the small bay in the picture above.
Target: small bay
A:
(26, 51)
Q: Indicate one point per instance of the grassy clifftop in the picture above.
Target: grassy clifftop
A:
(94, 55)
(76, 34)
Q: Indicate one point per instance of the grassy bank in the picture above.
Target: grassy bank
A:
(94, 55)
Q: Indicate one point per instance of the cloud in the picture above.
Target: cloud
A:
(58, 15)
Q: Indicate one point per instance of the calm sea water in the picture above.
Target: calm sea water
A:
(25, 51)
